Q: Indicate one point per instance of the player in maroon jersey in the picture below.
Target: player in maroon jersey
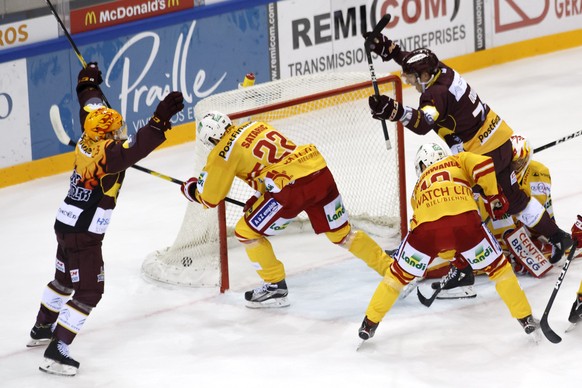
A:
(101, 157)
(452, 109)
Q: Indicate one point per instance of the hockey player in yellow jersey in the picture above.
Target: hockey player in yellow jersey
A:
(446, 222)
(288, 179)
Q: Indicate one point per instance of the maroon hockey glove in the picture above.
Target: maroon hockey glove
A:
(90, 76)
(385, 108)
(172, 104)
(496, 205)
(251, 201)
(188, 188)
(577, 230)
(381, 46)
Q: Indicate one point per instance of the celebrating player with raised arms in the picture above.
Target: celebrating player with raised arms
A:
(101, 157)
(446, 223)
(288, 179)
(452, 109)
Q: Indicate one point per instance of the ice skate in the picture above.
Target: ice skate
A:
(576, 311)
(529, 324)
(368, 329)
(460, 285)
(57, 360)
(40, 335)
(268, 295)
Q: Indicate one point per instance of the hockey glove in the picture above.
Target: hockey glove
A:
(381, 46)
(89, 76)
(251, 201)
(172, 104)
(188, 188)
(385, 108)
(496, 205)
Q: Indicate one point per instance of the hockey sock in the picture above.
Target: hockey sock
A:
(262, 256)
(511, 292)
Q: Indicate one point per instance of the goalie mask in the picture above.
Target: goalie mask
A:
(103, 123)
(212, 127)
(427, 155)
(522, 153)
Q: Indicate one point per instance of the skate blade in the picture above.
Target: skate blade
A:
(570, 328)
(269, 303)
(536, 336)
(464, 292)
(55, 368)
(33, 343)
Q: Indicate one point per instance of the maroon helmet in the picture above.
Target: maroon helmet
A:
(420, 60)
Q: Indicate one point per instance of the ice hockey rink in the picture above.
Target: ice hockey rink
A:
(145, 334)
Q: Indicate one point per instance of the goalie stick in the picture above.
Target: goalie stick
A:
(545, 326)
(375, 32)
(61, 134)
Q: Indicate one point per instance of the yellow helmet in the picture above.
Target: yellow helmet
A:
(102, 121)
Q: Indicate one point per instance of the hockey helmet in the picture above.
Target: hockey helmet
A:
(522, 153)
(211, 128)
(427, 155)
(419, 61)
(103, 122)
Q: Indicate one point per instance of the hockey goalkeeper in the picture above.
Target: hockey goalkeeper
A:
(288, 179)
(446, 222)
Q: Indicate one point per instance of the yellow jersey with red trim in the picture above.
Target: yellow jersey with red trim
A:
(446, 187)
(258, 154)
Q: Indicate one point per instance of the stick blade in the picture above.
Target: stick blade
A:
(57, 124)
(548, 332)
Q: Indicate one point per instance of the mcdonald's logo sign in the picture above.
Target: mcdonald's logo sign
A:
(122, 11)
(90, 18)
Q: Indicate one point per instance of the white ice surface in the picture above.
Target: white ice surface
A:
(145, 334)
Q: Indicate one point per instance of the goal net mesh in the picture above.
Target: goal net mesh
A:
(329, 110)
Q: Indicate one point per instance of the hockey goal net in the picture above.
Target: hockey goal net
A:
(328, 110)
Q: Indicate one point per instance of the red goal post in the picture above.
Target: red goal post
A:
(329, 110)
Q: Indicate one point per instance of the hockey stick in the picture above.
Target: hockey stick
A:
(377, 30)
(443, 283)
(546, 329)
(61, 134)
(73, 45)
(556, 142)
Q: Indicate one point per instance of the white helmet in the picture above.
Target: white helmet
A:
(212, 127)
(428, 154)
(522, 153)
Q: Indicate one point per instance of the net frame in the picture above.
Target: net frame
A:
(256, 102)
